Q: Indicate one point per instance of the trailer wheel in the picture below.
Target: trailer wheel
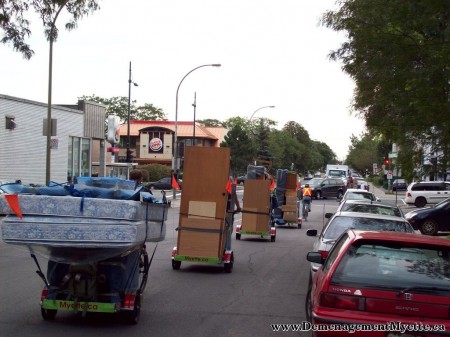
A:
(228, 267)
(238, 236)
(48, 314)
(176, 265)
(132, 317)
(143, 269)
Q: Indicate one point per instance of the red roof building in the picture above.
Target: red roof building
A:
(152, 142)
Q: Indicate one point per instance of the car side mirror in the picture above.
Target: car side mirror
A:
(311, 232)
(328, 215)
(314, 257)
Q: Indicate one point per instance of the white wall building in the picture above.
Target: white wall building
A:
(23, 143)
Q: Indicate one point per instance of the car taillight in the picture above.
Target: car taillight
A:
(342, 301)
(44, 294)
(174, 251)
(324, 254)
(128, 302)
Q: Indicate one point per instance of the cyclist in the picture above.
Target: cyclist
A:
(307, 193)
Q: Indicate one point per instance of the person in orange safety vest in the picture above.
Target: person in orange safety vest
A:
(307, 196)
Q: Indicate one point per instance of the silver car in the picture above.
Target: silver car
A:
(342, 221)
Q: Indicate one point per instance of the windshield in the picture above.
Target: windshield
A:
(337, 173)
(443, 203)
(314, 181)
(396, 265)
(371, 208)
(340, 224)
(359, 196)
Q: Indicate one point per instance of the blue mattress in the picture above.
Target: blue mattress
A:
(92, 228)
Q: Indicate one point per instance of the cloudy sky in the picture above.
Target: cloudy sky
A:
(272, 52)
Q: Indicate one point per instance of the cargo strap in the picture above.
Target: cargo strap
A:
(206, 230)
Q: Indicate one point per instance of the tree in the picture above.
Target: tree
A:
(119, 106)
(261, 131)
(241, 145)
(364, 152)
(298, 132)
(286, 150)
(210, 122)
(398, 53)
(16, 26)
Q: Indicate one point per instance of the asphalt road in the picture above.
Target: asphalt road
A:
(267, 286)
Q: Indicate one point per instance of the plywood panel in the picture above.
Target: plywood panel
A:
(291, 181)
(256, 199)
(200, 237)
(205, 176)
(202, 209)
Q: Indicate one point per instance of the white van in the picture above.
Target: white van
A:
(427, 192)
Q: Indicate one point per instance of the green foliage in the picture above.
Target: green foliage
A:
(16, 26)
(119, 106)
(210, 122)
(241, 146)
(398, 53)
(154, 172)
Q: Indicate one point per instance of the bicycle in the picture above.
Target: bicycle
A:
(305, 211)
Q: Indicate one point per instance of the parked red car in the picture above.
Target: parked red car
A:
(388, 282)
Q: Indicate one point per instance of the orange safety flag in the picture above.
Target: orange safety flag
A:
(272, 185)
(13, 201)
(229, 187)
(175, 184)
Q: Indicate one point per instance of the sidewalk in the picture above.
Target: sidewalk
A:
(384, 195)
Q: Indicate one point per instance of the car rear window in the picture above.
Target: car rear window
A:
(340, 224)
(398, 266)
(372, 208)
(359, 196)
(428, 187)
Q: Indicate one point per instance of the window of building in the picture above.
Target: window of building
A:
(10, 122)
(79, 159)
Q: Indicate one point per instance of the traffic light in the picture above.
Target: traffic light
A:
(386, 161)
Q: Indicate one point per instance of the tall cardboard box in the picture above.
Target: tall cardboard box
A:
(203, 202)
(256, 205)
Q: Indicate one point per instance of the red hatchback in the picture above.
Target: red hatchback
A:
(381, 284)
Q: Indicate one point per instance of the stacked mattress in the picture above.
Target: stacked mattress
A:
(67, 228)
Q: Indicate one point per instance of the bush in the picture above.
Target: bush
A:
(154, 172)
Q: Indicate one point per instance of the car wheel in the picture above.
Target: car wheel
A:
(176, 264)
(429, 227)
(420, 202)
(318, 195)
(48, 314)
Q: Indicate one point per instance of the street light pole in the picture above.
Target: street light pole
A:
(267, 106)
(195, 106)
(175, 156)
(128, 122)
(52, 35)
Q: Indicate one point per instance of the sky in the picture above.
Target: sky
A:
(272, 53)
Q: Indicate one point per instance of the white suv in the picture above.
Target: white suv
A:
(427, 192)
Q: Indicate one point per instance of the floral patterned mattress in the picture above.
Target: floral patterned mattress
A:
(51, 224)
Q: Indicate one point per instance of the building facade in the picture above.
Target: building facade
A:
(152, 142)
(78, 132)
